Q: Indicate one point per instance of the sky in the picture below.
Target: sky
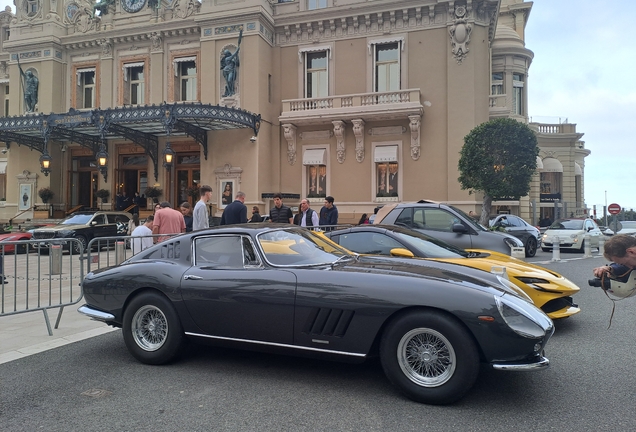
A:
(584, 60)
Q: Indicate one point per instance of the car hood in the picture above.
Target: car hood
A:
(486, 259)
(60, 228)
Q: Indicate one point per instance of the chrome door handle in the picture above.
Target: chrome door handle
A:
(192, 277)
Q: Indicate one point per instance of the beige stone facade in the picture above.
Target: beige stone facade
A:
(368, 102)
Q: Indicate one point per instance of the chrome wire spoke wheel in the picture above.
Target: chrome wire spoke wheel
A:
(426, 357)
(149, 328)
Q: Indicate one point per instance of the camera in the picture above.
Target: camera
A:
(600, 283)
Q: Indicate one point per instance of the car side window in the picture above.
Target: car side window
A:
(99, 220)
(250, 258)
(369, 243)
(439, 220)
(588, 225)
(222, 252)
(405, 218)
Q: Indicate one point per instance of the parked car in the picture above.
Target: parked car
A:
(548, 290)
(446, 223)
(514, 225)
(571, 233)
(627, 227)
(281, 288)
(11, 237)
(82, 226)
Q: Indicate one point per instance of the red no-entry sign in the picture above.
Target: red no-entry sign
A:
(614, 209)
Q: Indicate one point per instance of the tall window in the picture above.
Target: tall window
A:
(315, 163)
(497, 83)
(316, 74)
(86, 88)
(387, 66)
(6, 100)
(134, 84)
(186, 79)
(517, 93)
(386, 171)
(316, 4)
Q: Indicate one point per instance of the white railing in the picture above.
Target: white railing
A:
(352, 100)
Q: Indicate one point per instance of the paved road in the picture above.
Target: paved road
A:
(96, 384)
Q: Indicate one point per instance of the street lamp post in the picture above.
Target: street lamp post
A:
(605, 208)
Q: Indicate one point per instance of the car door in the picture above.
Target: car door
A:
(594, 232)
(99, 227)
(438, 223)
(517, 227)
(229, 293)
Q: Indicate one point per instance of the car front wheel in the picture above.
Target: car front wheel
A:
(531, 247)
(152, 330)
(430, 357)
(80, 245)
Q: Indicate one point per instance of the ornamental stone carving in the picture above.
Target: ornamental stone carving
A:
(358, 132)
(339, 132)
(107, 46)
(460, 34)
(289, 130)
(155, 38)
(415, 123)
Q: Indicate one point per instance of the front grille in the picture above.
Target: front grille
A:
(558, 304)
(328, 322)
(43, 235)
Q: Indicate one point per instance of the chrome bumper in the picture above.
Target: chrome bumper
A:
(540, 364)
(95, 314)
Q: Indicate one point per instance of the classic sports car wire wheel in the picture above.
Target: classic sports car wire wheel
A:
(149, 328)
(426, 357)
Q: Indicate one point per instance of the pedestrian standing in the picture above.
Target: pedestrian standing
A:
(329, 213)
(200, 219)
(186, 211)
(235, 212)
(142, 235)
(167, 221)
(256, 215)
(306, 217)
(280, 213)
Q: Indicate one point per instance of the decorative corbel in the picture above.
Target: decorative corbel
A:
(289, 130)
(459, 34)
(358, 131)
(415, 123)
(339, 132)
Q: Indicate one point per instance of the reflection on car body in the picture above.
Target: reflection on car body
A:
(285, 289)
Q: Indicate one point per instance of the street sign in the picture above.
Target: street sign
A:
(615, 226)
(614, 209)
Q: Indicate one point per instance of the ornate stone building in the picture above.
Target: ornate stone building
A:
(367, 101)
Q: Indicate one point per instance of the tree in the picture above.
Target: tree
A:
(499, 158)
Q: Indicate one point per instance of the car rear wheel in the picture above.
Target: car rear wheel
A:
(531, 247)
(430, 357)
(152, 330)
(80, 245)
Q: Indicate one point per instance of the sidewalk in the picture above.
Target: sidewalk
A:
(26, 334)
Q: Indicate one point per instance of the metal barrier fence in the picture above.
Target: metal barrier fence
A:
(38, 276)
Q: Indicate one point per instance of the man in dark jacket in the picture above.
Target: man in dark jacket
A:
(236, 212)
(329, 213)
(280, 213)
(256, 215)
(306, 217)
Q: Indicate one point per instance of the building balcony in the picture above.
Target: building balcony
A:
(376, 106)
(499, 106)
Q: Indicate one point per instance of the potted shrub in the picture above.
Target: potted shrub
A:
(193, 192)
(46, 194)
(153, 193)
(103, 195)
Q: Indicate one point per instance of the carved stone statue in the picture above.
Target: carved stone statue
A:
(103, 7)
(30, 85)
(229, 66)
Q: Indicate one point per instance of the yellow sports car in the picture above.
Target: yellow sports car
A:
(548, 290)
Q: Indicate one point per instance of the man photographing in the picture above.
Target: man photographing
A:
(621, 250)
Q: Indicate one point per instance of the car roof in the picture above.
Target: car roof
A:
(386, 209)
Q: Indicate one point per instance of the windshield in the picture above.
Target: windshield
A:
(80, 219)
(295, 247)
(430, 247)
(470, 221)
(567, 224)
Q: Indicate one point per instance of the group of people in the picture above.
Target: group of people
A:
(123, 201)
(306, 216)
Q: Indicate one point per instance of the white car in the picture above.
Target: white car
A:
(628, 227)
(571, 234)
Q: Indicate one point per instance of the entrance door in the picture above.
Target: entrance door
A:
(188, 176)
(84, 182)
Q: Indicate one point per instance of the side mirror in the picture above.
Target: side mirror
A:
(401, 252)
(93, 223)
(459, 228)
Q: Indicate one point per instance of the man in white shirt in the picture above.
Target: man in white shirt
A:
(200, 218)
(142, 235)
(307, 217)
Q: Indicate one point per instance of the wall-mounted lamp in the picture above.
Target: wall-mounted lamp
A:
(45, 163)
(102, 161)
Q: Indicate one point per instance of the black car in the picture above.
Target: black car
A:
(285, 289)
(514, 225)
(83, 227)
(447, 223)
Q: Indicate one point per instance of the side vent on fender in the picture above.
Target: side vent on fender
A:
(328, 322)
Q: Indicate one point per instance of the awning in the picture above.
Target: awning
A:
(313, 48)
(314, 157)
(539, 163)
(552, 165)
(4, 80)
(182, 60)
(81, 71)
(131, 65)
(3, 167)
(385, 154)
(577, 169)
